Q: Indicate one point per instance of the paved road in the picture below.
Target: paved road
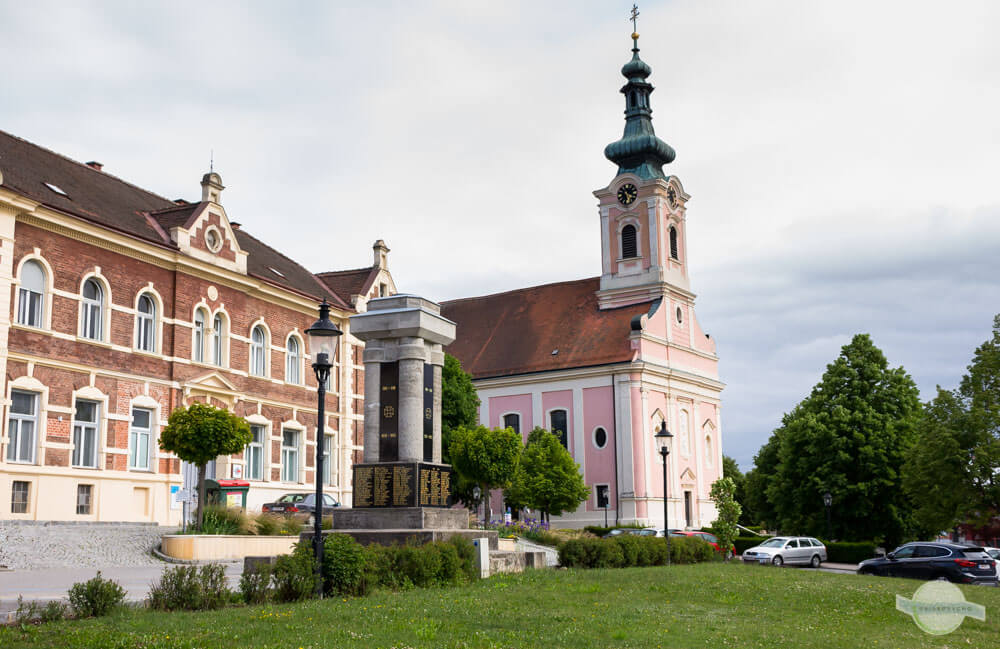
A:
(53, 583)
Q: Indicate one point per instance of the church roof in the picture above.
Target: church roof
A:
(540, 328)
(79, 190)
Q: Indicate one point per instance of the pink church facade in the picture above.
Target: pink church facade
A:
(604, 360)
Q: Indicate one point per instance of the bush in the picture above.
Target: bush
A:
(420, 564)
(466, 555)
(587, 552)
(343, 566)
(293, 576)
(690, 549)
(269, 524)
(255, 584)
(189, 588)
(743, 543)
(849, 552)
(53, 611)
(95, 597)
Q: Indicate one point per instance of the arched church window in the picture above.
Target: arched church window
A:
(629, 242)
(673, 242)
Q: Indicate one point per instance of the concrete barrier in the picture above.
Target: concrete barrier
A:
(214, 547)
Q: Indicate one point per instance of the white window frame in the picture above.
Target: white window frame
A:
(220, 326)
(552, 427)
(327, 459)
(290, 455)
(15, 424)
(293, 361)
(593, 437)
(135, 434)
(258, 351)
(198, 338)
(27, 499)
(256, 447)
(145, 324)
(30, 302)
(80, 430)
(89, 307)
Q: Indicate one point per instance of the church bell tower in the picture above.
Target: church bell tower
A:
(642, 211)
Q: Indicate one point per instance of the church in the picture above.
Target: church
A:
(603, 361)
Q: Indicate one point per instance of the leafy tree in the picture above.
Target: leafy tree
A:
(200, 433)
(730, 469)
(459, 407)
(958, 445)
(547, 479)
(723, 494)
(487, 457)
(849, 437)
(758, 509)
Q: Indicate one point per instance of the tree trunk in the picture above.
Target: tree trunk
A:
(201, 495)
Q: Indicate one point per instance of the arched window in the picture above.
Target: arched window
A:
(673, 243)
(30, 294)
(684, 434)
(93, 310)
(145, 324)
(257, 342)
(218, 325)
(512, 420)
(629, 249)
(557, 424)
(708, 450)
(293, 360)
(198, 341)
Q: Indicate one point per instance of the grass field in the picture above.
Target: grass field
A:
(703, 606)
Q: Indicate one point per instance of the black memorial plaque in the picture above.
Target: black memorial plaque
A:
(402, 484)
(428, 412)
(388, 425)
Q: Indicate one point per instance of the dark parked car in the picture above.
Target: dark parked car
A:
(959, 563)
(300, 506)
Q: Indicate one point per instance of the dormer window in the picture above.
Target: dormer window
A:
(629, 248)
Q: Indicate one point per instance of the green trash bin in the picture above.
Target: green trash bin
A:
(228, 493)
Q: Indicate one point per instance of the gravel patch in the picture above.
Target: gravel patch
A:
(29, 545)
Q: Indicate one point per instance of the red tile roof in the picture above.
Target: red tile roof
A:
(346, 283)
(111, 202)
(518, 331)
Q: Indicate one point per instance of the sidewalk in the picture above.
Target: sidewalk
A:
(48, 584)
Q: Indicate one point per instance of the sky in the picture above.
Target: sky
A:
(841, 156)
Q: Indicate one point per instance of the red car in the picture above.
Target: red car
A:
(711, 539)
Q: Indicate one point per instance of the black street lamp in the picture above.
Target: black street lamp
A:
(665, 437)
(828, 502)
(476, 493)
(322, 345)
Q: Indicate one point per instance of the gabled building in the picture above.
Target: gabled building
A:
(120, 306)
(603, 361)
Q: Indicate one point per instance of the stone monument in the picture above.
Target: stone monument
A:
(402, 490)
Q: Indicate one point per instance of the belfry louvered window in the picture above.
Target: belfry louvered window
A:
(673, 243)
(629, 242)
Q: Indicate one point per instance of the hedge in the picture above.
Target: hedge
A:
(628, 550)
(849, 552)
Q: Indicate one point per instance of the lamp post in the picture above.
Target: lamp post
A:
(322, 345)
(828, 502)
(476, 492)
(665, 437)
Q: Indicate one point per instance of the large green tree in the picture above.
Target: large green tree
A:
(547, 478)
(849, 437)
(487, 457)
(731, 470)
(953, 470)
(758, 509)
(459, 407)
(200, 433)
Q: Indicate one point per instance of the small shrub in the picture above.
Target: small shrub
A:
(293, 576)
(26, 612)
(343, 566)
(189, 588)
(420, 565)
(54, 611)
(381, 568)
(222, 520)
(269, 524)
(95, 597)
(690, 549)
(586, 552)
(255, 584)
(630, 546)
(466, 555)
(291, 527)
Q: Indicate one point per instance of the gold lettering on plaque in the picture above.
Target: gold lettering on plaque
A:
(381, 487)
(445, 487)
(424, 487)
(401, 486)
(435, 487)
(363, 486)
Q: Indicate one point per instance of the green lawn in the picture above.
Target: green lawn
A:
(702, 606)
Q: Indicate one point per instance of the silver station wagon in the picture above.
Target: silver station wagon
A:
(780, 550)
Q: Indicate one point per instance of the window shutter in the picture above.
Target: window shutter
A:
(628, 242)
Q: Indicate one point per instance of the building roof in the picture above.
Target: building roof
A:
(79, 190)
(346, 283)
(541, 328)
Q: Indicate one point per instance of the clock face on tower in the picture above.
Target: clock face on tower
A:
(672, 197)
(627, 194)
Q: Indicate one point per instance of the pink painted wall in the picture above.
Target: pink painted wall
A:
(553, 401)
(519, 403)
(598, 411)
(638, 442)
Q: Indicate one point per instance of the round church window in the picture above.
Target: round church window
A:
(600, 438)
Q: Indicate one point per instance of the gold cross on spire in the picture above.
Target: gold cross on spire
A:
(635, 17)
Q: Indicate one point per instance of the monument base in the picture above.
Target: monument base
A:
(400, 525)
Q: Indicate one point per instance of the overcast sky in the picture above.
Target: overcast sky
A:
(841, 156)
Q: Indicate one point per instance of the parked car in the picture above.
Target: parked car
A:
(300, 505)
(956, 562)
(993, 552)
(780, 550)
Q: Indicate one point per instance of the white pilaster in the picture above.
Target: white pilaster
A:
(654, 232)
(579, 433)
(605, 241)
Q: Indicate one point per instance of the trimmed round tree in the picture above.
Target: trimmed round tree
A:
(724, 495)
(548, 479)
(200, 433)
(485, 456)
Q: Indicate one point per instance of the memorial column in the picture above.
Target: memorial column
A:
(372, 357)
(437, 362)
(412, 352)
